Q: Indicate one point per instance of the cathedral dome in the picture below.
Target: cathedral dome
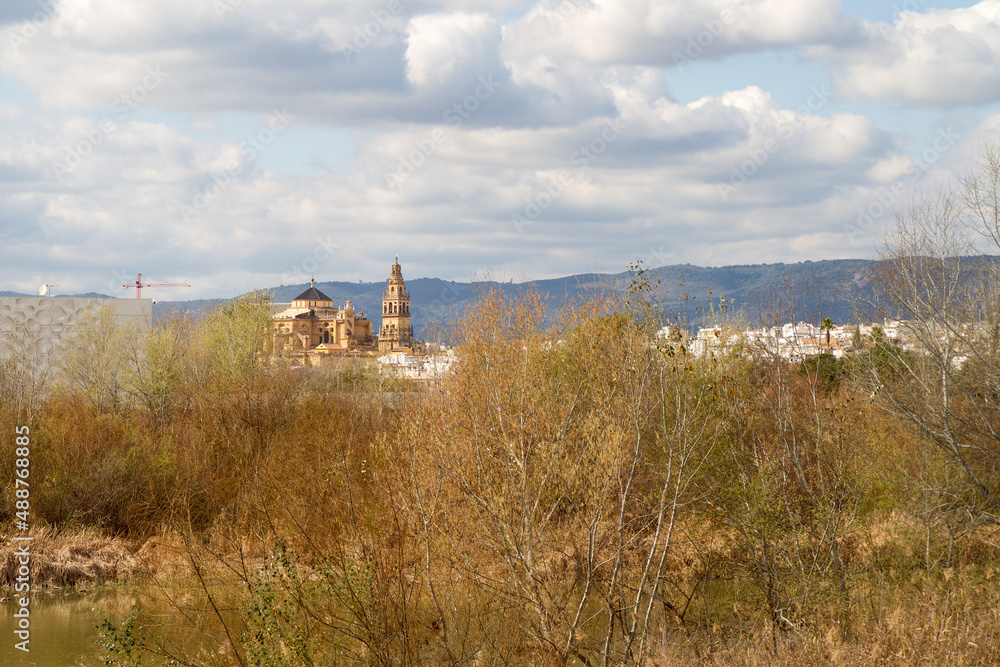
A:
(313, 297)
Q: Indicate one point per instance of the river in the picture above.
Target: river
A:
(63, 625)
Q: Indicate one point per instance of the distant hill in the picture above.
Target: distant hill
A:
(85, 295)
(760, 293)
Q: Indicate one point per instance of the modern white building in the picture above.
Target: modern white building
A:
(50, 320)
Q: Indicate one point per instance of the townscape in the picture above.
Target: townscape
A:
(802, 340)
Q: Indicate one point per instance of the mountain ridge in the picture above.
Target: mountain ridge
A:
(755, 293)
(761, 293)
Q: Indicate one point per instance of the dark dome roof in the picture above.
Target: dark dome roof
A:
(313, 294)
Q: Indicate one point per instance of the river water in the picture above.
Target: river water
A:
(63, 626)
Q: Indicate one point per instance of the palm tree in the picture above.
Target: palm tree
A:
(827, 324)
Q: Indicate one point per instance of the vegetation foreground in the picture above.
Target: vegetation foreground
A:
(579, 491)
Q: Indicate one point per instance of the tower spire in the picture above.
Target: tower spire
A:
(396, 332)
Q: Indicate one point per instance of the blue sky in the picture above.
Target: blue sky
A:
(234, 144)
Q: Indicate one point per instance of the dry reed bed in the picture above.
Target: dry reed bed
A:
(950, 617)
(59, 559)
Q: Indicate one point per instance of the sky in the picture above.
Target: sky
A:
(241, 144)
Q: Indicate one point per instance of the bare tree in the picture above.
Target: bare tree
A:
(563, 460)
(94, 361)
(937, 279)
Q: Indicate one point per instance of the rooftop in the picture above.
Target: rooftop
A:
(313, 294)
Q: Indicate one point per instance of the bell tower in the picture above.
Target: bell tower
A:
(396, 333)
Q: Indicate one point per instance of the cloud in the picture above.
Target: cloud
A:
(453, 119)
(443, 47)
(360, 62)
(659, 32)
(254, 58)
(652, 170)
(941, 58)
(351, 63)
(26, 11)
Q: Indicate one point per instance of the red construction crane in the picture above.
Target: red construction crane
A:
(139, 285)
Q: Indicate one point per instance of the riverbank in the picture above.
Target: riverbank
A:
(60, 559)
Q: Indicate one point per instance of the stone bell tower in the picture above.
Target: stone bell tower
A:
(396, 333)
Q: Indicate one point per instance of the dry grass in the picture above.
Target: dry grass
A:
(948, 618)
(78, 559)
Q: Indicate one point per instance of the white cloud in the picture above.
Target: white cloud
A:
(656, 177)
(443, 47)
(939, 58)
(351, 63)
(482, 110)
(355, 62)
(666, 33)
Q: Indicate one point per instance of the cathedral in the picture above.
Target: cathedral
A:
(313, 324)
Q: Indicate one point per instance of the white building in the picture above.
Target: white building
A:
(417, 367)
(50, 320)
